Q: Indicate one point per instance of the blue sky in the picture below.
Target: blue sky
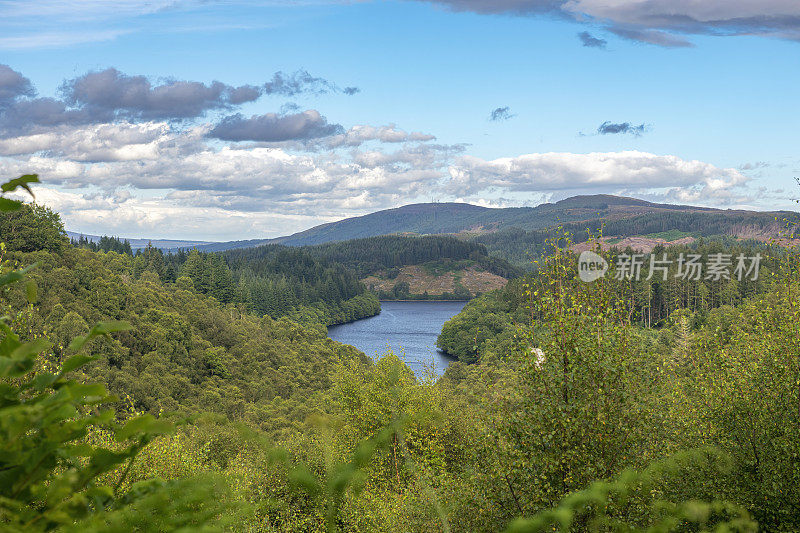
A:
(705, 111)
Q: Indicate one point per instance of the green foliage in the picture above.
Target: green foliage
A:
(191, 504)
(438, 253)
(600, 401)
(670, 235)
(32, 227)
(186, 352)
(279, 282)
(637, 501)
(104, 244)
(50, 475)
(27, 227)
(567, 411)
(489, 323)
(497, 316)
(574, 410)
(746, 383)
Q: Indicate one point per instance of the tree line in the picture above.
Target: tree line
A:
(520, 247)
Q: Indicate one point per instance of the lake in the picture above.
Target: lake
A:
(409, 329)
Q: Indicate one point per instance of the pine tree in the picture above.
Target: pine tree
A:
(195, 268)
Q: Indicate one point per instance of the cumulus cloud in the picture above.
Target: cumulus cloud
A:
(13, 84)
(96, 168)
(590, 41)
(153, 157)
(615, 128)
(500, 114)
(659, 22)
(243, 94)
(112, 160)
(104, 142)
(112, 139)
(421, 157)
(27, 115)
(272, 127)
(605, 172)
(110, 95)
(127, 215)
(111, 92)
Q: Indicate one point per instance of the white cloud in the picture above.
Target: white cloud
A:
(103, 142)
(156, 179)
(192, 172)
(187, 182)
(173, 179)
(360, 134)
(132, 217)
(600, 172)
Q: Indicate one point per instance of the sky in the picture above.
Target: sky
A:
(226, 120)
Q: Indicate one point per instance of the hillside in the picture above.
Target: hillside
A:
(399, 267)
(629, 217)
(439, 281)
(623, 216)
(668, 402)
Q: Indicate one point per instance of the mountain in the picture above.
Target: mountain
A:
(453, 218)
(622, 215)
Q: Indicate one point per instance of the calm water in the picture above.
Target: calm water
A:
(409, 329)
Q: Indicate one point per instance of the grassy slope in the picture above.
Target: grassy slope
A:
(435, 282)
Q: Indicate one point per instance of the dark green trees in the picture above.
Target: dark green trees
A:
(32, 227)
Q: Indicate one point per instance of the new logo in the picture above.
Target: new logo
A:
(591, 266)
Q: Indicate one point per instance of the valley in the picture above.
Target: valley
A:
(416, 266)
(230, 374)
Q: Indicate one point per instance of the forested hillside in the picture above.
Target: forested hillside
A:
(322, 283)
(275, 281)
(488, 323)
(520, 246)
(570, 411)
(380, 263)
(506, 230)
(367, 256)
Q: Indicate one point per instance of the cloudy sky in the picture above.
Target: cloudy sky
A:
(222, 120)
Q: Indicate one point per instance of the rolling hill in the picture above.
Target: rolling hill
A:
(622, 216)
(578, 211)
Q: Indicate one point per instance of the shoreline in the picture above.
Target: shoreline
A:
(412, 300)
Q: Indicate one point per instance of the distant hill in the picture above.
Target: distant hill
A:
(435, 218)
(137, 244)
(589, 210)
(623, 216)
